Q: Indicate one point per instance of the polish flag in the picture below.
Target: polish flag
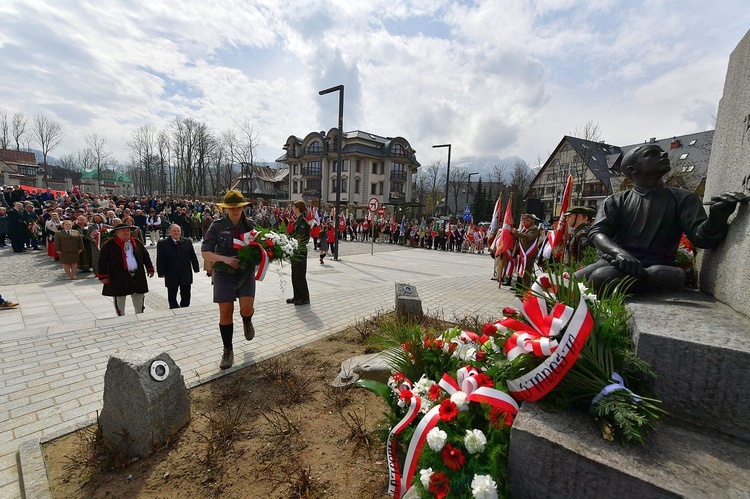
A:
(557, 237)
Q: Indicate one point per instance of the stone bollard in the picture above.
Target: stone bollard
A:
(408, 303)
(145, 402)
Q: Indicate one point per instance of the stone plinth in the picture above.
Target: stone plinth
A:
(723, 272)
(145, 402)
(408, 303)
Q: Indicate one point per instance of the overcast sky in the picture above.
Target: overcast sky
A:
(505, 78)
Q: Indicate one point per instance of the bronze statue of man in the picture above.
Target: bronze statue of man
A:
(638, 231)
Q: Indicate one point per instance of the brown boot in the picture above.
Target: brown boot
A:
(227, 359)
(247, 324)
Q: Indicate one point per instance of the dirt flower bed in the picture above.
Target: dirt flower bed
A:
(274, 430)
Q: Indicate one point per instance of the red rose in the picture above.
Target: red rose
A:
(434, 392)
(481, 355)
(269, 243)
(448, 410)
(509, 312)
(270, 253)
(490, 328)
(438, 343)
(439, 485)
(483, 339)
(453, 457)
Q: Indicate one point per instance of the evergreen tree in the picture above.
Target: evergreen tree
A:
(477, 205)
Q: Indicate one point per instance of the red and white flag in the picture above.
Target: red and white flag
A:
(558, 236)
(506, 242)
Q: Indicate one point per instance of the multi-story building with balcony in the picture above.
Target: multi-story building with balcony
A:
(372, 166)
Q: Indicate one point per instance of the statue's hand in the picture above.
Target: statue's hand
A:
(625, 262)
(723, 205)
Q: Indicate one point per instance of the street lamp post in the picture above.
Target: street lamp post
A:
(340, 90)
(468, 185)
(447, 174)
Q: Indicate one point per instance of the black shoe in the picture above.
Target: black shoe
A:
(302, 302)
(291, 300)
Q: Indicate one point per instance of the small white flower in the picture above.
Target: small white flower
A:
(459, 398)
(423, 385)
(436, 439)
(474, 441)
(483, 487)
(424, 477)
(587, 294)
(426, 405)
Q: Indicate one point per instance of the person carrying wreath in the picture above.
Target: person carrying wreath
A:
(218, 246)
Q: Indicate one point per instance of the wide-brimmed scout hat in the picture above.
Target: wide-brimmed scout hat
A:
(233, 199)
(589, 211)
(531, 216)
(122, 226)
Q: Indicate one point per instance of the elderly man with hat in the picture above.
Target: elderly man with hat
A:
(578, 221)
(527, 237)
(218, 246)
(123, 265)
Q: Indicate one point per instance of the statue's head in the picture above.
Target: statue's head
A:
(648, 160)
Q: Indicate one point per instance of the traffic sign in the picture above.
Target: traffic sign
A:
(374, 204)
(381, 210)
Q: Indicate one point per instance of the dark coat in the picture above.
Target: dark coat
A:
(112, 266)
(174, 261)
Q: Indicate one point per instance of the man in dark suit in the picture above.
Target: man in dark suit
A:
(175, 256)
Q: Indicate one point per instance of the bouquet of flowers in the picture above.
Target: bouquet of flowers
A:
(34, 229)
(257, 248)
(560, 344)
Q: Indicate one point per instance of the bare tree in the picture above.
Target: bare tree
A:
(142, 145)
(164, 165)
(433, 175)
(48, 135)
(520, 181)
(4, 129)
(99, 155)
(19, 128)
(589, 131)
(456, 182)
(578, 166)
(247, 144)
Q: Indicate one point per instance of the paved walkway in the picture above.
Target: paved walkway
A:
(55, 346)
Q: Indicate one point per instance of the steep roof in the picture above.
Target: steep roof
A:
(18, 157)
(688, 155)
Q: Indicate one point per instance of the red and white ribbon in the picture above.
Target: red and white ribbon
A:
(248, 239)
(537, 336)
(394, 475)
(467, 384)
(540, 381)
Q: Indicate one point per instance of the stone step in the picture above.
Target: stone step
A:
(562, 455)
(700, 350)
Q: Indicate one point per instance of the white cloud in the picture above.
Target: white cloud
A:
(503, 78)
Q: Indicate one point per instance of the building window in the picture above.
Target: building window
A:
(374, 168)
(684, 155)
(336, 165)
(296, 169)
(312, 168)
(398, 150)
(294, 187)
(27, 170)
(356, 185)
(315, 147)
(373, 188)
(358, 165)
(380, 188)
(343, 185)
(382, 168)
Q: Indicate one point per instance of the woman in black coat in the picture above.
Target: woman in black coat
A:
(123, 265)
(175, 262)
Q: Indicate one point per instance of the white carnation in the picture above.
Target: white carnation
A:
(422, 387)
(459, 398)
(483, 487)
(424, 477)
(436, 439)
(474, 441)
